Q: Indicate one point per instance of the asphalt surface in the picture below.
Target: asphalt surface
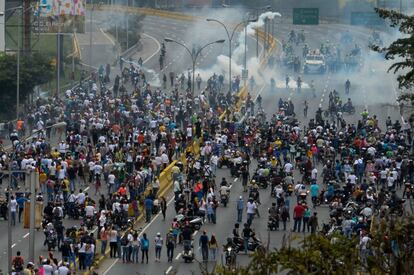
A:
(363, 96)
(156, 29)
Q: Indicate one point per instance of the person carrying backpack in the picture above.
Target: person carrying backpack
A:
(144, 247)
(170, 242)
(158, 246)
(124, 247)
(18, 262)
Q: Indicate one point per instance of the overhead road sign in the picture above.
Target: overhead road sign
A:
(306, 16)
(366, 19)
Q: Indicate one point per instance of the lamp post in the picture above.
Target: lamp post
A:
(257, 33)
(58, 63)
(32, 202)
(230, 38)
(193, 55)
(19, 8)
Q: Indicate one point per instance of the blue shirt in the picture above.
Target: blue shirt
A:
(314, 190)
(148, 203)
(20, 201)
(240, 205)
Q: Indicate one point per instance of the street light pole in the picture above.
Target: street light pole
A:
(32, 214)
(58, 63)
(193, 55)
(230, 38)
(90, 37)
(34, 178)
(18, 72)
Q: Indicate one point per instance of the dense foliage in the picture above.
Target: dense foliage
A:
(391, 252)
(35, 69)
(400, 50)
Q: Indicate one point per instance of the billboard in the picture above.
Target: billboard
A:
(64, 16)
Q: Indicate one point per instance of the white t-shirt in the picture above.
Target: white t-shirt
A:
(314, 173)
(111, 179)
(189, 131)
(13, 205)
(89, 210)
(288, 167)
(63, 270)
(352, 178)
(251, 207)
(81, 198)
(47, 269)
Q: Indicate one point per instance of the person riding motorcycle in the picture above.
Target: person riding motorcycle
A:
(224, 182)
(348, 105)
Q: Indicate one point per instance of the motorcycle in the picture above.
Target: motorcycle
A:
(272, 224)
(188, 253)
(89, 222)
(408, 190)
(51, 240)
(350, 109)
(195, 223)
(224, 199)
(253, 245)
(224, 161)
(230, 256)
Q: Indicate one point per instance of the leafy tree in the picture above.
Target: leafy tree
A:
(391, 251)
(401, 50)
(35, 69)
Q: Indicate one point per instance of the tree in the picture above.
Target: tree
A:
(391, 251)
(35, 69)
(401, 50)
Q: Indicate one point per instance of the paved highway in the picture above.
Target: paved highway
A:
(156, 29)
(365, 93)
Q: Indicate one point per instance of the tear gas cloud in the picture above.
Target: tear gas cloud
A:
(370, 82)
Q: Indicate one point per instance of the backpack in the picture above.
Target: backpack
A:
(18, 263)
(145, 244)
(124, 240)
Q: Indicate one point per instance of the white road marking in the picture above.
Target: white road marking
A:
(26, 235)
(13, 245)
(87, 188)
(158, 45)
(169, 269)
(235, 179)
(178, 256)
(143, 230)
(107, 36)
(195, 233)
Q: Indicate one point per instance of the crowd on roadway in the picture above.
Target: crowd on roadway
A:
(103, 167)
(99, 151)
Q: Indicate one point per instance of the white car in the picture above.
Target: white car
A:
(314, 63)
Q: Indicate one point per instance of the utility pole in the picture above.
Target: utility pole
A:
(18, 69)
(58, 63)
(34, 181)
(257, 36)
(27, 26)
(90, 37)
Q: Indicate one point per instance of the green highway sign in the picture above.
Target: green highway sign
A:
(305, 16)
(366, 19)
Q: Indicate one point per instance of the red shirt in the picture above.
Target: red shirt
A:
(298, 211)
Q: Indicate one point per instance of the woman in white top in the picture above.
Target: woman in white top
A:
(135, 243)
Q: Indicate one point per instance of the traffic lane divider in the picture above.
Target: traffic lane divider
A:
(165, 184)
